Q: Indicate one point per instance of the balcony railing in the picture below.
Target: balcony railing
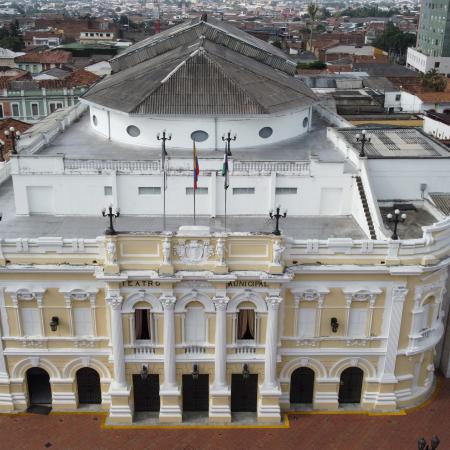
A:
(194, 349)
(96, 165)
(143, 349)
(290, 167)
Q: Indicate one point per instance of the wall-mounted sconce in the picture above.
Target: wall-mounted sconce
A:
(245, 372)
(54, 323)
(144, 372)
(334, 324)
(195, 372)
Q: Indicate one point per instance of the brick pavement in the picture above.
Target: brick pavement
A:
(321, 432)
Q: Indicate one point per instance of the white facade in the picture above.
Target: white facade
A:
(436, 128)
(285, 125)
(422, 63)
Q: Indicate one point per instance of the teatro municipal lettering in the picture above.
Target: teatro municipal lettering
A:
(140, 283)
(247, 283)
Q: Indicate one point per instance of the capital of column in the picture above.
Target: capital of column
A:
(168, 302)
(399, 293)
(273, 302)
(115, 301)
(220, 303)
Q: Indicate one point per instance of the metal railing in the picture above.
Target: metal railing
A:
(291, 167)
(119, 166)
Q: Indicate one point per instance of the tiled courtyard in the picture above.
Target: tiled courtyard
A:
(316, 431)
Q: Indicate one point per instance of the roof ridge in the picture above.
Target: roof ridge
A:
(201, 52)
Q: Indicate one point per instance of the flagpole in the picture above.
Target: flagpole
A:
(163, 140)
(227, 139)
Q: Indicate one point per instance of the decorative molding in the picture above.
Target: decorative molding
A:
(114, 301)
(361, 295)
(220, 303)
(26, 295)
(168, 302)
(194, 251)
(310, 295)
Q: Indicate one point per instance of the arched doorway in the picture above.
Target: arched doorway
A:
(39, 390)
(302, 385)
(351, 385)
(88, 385)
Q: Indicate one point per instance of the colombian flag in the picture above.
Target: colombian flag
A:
(196, 168)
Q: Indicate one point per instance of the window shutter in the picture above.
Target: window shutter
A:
(307, 322)
(357, 323)
(424, 317)
(83, 321)
(195, 325)
(31, 322)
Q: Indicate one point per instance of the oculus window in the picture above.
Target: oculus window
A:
(133, 131)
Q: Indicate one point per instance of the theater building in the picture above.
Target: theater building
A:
(168, 320)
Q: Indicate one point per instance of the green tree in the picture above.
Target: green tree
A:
(394, 41)
(434, 81)
(314, 14)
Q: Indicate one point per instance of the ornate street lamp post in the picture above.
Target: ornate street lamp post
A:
(277, 216)
(364, 140)
(396, 218)
(14, 136)
(111, 215)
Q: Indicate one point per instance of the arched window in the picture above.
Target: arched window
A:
(195, 324)
(426, 318)
(246, 324)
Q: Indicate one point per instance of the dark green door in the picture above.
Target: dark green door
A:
(244, 392)
(195, 393)
(146, 393)
(351, 385)
(302, 385)
(88, 383)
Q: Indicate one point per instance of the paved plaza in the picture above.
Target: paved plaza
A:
(304, 431)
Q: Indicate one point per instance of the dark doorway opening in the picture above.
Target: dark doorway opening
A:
(302, 385)
(88, 385)
(196, 393)
(351, 385)
(244, 392)
(39, 390)
(146, 393)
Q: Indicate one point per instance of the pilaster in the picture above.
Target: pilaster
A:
(219, 407)
(270, 392)
(170, 410)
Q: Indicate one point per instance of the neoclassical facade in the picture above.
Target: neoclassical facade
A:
(166, 324)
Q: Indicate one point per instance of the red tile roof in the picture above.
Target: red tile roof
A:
(47, 57)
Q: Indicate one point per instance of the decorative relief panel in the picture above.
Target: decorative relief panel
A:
(194, 251)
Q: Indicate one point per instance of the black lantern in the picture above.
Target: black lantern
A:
(195, 372)
(245, 372)
(14, 136)
(54, 323)
(277, 216)
(110, 231)
(334, 324)
(144, 373)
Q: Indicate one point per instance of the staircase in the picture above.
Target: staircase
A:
(369, 220)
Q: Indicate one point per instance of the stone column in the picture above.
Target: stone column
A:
(269, 403)
(386, 398)
(219, 410)
(119, 411)
(7, 404)
(170, 410)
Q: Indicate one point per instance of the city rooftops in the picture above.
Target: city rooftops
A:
(395, 143)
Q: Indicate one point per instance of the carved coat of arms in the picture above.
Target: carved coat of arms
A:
(194, 251)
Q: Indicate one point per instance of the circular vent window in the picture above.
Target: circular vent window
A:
(265, 132)
(94, 120)
(199, 136)
(305, 122)
(133, 131)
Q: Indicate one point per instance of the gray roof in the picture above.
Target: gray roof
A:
(380, 84)
(442, 201)
(204, 78)
(396, 143)
(384, 70)
(191, 32)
